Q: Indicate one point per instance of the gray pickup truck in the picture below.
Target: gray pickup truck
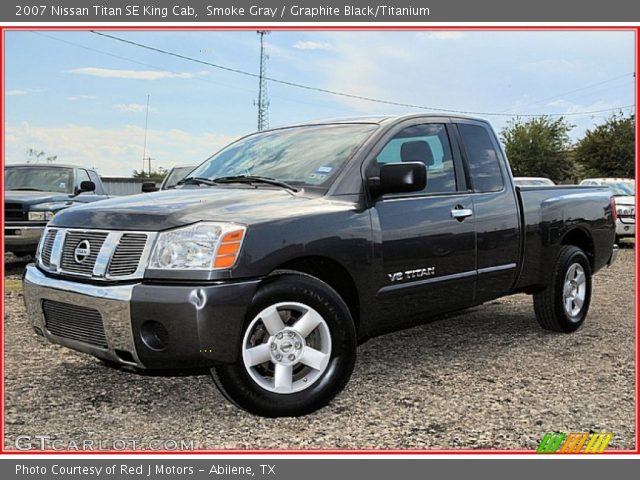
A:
(35, 193)
(279, 254)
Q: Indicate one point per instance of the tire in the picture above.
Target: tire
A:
(563, 305)
(274, 376)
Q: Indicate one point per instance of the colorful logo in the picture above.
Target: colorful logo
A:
(575, 442)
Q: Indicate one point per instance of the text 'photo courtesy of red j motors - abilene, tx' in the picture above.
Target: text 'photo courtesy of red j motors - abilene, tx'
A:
(285, 239)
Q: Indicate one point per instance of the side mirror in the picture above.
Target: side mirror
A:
(86, 186)
(149, 187)
(400, 178)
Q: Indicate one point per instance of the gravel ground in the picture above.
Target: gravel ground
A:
(490, 379)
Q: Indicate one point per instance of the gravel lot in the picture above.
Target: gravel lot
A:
(490, 378)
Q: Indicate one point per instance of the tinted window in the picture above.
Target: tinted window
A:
(428, 144)
(484, 165)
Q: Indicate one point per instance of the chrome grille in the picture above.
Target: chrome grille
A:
(47, 246)
(126, 258)
(74, 322)
(69, 264)
(114, 255)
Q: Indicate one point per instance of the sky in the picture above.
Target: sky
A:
(82, 96)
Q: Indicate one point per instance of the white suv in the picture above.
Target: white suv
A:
(624, 190)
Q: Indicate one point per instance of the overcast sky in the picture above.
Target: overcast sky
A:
(83, 97)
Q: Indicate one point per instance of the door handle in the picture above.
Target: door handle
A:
(461, 213)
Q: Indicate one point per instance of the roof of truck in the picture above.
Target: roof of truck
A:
(380, 119)
(61, 165)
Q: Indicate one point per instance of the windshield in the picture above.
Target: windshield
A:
(175, 175)
(621, 188)
(301, 155)
(36, 178)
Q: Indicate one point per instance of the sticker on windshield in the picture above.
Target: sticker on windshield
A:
(318, 176)
(325, 169)
(62, 185)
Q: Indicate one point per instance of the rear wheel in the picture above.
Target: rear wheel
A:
(297, 351)
(563, 305)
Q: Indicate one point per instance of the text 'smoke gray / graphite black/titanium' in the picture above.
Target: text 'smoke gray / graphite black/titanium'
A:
(273, 259)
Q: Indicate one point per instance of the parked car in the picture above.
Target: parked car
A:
(34, 194)
(624, 190)
(342, 231)
(170, 180)
(532, 181)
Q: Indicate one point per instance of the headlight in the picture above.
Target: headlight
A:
(202, 246)
(41, 216)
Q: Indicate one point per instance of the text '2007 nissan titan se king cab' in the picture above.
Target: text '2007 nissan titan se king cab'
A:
(284, 250)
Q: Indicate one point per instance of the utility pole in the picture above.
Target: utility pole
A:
(144, 148)
(263, 100)
(148, 159)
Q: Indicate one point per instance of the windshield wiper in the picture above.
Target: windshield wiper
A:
(254, 179)
(27, 189)
(196, 181)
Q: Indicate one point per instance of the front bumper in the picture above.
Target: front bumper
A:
(22, 238)
(203, 324)
(626, 227)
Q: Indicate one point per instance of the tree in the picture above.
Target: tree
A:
(155, 176)
(608, 150)
(539, 147)
(35, 155)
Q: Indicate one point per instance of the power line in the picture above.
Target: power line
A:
(586, 87)
(344, 94)
(196, 77)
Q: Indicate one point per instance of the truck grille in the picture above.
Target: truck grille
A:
(47, 246)
(98, 254)
(127, 256)
(73, 239)
(15, 211)
(74, 322)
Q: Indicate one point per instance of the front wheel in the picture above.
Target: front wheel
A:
(297, 351)
(563, 305)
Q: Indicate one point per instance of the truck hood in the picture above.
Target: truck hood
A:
(27, 197)
(626, 200)
(174, 208)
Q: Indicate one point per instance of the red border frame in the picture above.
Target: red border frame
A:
(4, 28)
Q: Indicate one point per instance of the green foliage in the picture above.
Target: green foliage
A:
(155, 176)
(539, 147)
(608, 150)
(34, 155)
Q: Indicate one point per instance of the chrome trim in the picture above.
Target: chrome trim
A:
(614, 255)
(108, 248)
(56, 251)
(106, 251)
(497, 268)
(461, 213)
(113, 303)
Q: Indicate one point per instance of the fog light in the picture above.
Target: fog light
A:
(154, 335)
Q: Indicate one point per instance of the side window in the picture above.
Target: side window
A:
(83, 176)
(429, 144)
(484, 165)
(95, 179)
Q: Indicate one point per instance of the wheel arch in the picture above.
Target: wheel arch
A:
(581, 238)
(333, 274)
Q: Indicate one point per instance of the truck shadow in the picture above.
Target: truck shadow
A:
(489, 331)
(15, 265)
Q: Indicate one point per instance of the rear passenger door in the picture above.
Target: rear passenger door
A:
(427, 239)
(495, 209)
